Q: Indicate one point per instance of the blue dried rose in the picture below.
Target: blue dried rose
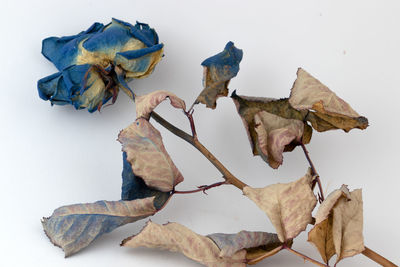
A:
(94, 64)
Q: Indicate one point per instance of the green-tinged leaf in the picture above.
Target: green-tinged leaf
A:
(229, 244)
(218, 71)
(74, 227)
(272, 126)
(148, 157)
(288, 206)
(338, 225)
(177, 238)
(147, 103)
(329, 110)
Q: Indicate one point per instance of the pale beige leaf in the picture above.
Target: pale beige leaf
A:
(288, 206)
(339, 224)
(331, 112)
(147, 103)
(308, 91)
(177, 238)
(326, 206)
(148, 157)
(274, 133)
(347, 226)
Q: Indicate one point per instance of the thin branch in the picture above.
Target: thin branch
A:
(189, 115)
(228, 176)
(314, 172)
(378, 258)
(178, 132)
(201, 188)
(306, 258)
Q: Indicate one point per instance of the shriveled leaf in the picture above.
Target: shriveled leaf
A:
(218, 71)
(148, 157)
(177, 238)
(331, 112)
(147, 103)
(255, 255)
(229, 244)
(248, 107)
(338, 226)
(288, 206)
(133, 187)
(274, 133)
(74, 227)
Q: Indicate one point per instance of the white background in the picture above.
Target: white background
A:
(53, 156)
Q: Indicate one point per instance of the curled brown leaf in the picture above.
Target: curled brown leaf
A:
(272, 126)
(338, 226)
(327, 110)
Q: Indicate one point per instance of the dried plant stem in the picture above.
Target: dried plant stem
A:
(314, 172)
(201, 188)
(228, 176)
(378, 258)
(306, 258)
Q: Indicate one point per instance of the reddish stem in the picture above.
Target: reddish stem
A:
(306, 258)
(314, 172)
(378, 258)
(201, 188)
(189, 115)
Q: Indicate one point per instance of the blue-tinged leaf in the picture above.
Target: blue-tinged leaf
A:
(69, 87)
(74, 227)
(229, 244)
(218, 71)
(133, 187)
(146, 153)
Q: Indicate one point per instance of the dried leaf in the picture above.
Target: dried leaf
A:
(147, 103)
(177, 238)
(338, 226)
(288, 206)
(255, 255)
(278, 109)
(148, 157)
(274, 133)
(133, 187)
(218, 71)
(74, 227)
(229, 244)
(331, 112)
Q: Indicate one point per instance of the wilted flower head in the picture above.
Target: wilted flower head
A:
(95, 63)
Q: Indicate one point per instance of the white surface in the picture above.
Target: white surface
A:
(53, 156)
